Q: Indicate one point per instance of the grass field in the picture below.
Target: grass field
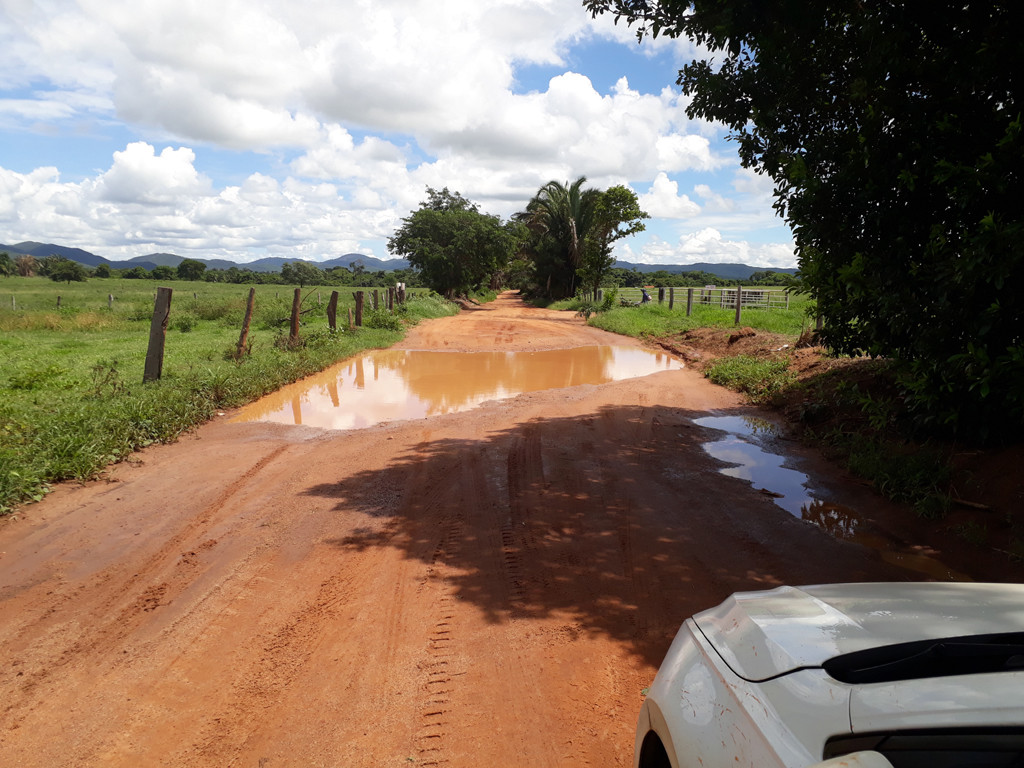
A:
(656, 319)
(72, 399)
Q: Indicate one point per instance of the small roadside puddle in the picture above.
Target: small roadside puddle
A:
(395, 384)
(744, 448)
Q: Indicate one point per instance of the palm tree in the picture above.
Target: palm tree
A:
(561, 216)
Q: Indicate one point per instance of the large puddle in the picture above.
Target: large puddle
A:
(394, 384)
(744, 448)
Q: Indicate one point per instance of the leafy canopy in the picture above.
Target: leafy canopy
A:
(62, 270)
(572, 230)
(191, 269)
(301, 273)
(454, 246)
(892, 132)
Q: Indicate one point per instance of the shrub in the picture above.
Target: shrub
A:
(761, 380)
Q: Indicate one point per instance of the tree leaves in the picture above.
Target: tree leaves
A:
(454, 246)
(893, 134)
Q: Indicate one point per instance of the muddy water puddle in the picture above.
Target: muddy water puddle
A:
(395, 384)
(746, 449)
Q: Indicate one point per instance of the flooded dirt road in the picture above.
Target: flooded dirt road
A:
(488, 587)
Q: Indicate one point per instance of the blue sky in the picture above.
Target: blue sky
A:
(231, 129)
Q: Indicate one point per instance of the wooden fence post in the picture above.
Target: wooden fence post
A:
(157, 332)
(244, 336)
(351, 327)
(671, 297)
(376, 299)
(689, 301)
(359, 308)
(110, 301)
(332, 311)
(58, 302)
(661, 295)
(739, 303)
(391, 298)
(296, 303)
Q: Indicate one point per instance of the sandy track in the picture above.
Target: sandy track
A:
(486, 588)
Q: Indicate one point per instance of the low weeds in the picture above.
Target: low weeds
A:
(760, 380)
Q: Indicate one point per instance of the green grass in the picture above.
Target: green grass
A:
(760, 380)
(72, 399)
(658, 320)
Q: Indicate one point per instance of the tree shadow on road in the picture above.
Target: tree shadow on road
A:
(618, 522)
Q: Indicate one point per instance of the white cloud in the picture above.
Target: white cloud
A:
(712, 200)
(141, 176)
(663, 201)
(148, 201)
(756, 186)
(343, 112)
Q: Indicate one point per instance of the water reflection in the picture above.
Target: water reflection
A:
(765, 470)
(394, 384)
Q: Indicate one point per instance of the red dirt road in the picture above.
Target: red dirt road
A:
(492, 587)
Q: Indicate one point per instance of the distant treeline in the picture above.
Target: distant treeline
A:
(59, 268)
(628, 278)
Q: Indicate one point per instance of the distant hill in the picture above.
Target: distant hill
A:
(42, 250)
(370, 263)
(151, 260)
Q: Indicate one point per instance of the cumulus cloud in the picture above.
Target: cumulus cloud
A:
(663, 201)
(345, 112)
(139, 175)
(154, 201)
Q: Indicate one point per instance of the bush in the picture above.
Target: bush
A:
(381, 318)
(761, 380)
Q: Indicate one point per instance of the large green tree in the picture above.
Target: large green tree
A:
(560, 216)
(191, 269)
(618, 215)
(455, 247)
(63, 270)
(573, 229)
(302, 273)
(893, 134)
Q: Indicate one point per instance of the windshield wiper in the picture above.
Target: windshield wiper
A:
(930, 658)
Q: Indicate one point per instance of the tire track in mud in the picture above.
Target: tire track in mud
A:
(440, 665)
(382, 599)
(525, 489)
(444, 663)
(276, 659)
(157, 580)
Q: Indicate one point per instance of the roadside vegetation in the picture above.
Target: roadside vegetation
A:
(896, 151)
(852, 409)
(72, 399)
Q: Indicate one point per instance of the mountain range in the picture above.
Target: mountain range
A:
(369, 263)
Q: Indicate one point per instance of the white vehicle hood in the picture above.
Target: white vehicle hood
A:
(761, 635)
